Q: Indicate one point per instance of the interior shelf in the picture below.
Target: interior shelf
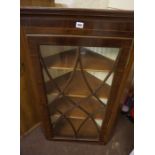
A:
(78, 87)
(90, 60)
(91, 105)
(64, 129)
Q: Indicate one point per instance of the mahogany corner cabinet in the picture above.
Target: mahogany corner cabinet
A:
(79, 62)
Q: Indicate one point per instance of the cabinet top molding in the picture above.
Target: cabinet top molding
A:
(79, 12)
(97, 22)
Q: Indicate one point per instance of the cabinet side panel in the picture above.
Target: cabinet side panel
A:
(38, 86)
(114, 104)
(29, 115)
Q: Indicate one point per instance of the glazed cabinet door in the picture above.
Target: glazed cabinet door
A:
(78, 80)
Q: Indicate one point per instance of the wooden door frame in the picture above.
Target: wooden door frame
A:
(113, 107)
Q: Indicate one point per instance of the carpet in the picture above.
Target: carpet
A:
(122, 143)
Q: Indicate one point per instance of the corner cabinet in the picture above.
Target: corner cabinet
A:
(78, 63)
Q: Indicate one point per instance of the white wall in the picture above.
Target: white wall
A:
(100, 4)
(97, 4)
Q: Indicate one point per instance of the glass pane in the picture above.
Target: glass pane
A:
(78, 82)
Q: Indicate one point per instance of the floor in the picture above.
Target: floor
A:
(122, 143)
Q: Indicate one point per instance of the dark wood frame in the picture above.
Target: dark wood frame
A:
(40, 28)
